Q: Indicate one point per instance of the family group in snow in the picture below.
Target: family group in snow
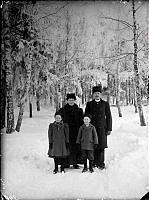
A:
(75, 136)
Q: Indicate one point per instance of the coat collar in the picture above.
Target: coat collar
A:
(75, 106)
(101, 101)
(84, 126)
(58, 123)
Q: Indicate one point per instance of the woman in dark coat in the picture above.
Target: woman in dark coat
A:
(73, 116)
(58, 134)
(102, 120)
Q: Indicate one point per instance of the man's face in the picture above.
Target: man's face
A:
(97, 95)
(71, 102)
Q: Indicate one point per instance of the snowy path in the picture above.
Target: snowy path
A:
(27, 168)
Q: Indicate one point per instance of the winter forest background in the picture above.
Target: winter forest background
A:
(50, 48)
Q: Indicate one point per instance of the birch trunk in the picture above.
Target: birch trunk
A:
(25, 93)
(118, 80)
(126, 92)
(7, 64)
(136, 72)
(134, 96)
(3, 98)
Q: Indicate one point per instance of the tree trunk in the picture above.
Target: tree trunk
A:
(118, 92)
(7, 64)
(83, 102)
(25, 93)
(135, 103)
(57, 98)
(113, 100)
(109, 88)
(117, 81)
(118, 106)
(30, 107)
(20, 117)
(30, 110)
(134, 96)
(126, 92)
(38, 101)
(137, 84)
(129, 91)
(3, 98)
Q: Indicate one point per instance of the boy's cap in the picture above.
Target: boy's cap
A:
(71, 96)
(87, 115)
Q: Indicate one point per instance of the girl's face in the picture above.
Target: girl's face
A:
(58, 118)
(86, 120)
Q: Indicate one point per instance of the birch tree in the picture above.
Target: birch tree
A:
(135, 51)
(7, 63)
(136, 71)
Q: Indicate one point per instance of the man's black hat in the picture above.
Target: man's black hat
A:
(71, 96)
(97, 89)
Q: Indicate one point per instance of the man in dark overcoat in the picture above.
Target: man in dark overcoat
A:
(73, 116)
(102, 120)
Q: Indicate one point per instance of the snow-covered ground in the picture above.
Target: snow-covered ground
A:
(26, 168)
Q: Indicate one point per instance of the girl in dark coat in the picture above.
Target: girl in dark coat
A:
(88, 139)
(58, 135)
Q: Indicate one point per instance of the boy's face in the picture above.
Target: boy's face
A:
(58, 118)
(86, 120)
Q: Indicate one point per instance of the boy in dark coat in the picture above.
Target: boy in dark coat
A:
(58, 134)
(88, 139)
(102, 120)
(73, 116)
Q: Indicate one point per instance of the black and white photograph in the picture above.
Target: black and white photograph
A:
(74, 100)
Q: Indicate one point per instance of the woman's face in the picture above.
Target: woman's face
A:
(58, 118)
(71, 102)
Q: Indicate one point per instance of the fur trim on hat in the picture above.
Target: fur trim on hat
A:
(71, 96)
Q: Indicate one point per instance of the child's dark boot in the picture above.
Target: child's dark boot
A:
(91, 166)
(85, 166)
(55, 171)
(62, 168)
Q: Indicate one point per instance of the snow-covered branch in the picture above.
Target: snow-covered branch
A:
(116, 55)
(141, 48)
(119, 20)
(54, 13)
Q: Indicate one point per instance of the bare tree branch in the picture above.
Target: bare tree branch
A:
(119, 20)
(71, 58)
(117, 59)
(139, 7)
(54, 13)
(116, 55)
(141, 48)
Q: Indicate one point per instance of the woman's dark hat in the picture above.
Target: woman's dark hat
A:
(71, 96)
(87, 115)
(97, 89)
